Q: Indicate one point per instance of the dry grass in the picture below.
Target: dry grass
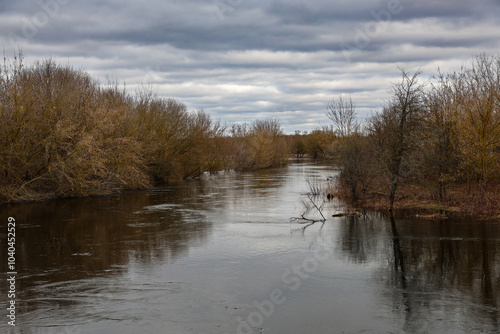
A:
(482, 204)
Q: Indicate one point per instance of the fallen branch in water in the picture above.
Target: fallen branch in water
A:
(310, 220)
(312, 196)
(347, 214)
(316, 206)
(307, 220)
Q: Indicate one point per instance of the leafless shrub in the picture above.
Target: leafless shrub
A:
(63, 134)
(260, 145)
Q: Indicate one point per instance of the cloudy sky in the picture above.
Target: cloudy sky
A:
(241, 60)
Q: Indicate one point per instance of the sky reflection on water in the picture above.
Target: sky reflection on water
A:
(220, 255)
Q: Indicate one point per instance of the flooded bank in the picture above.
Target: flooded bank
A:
(221, 255)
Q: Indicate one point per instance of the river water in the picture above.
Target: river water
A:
(221, 255)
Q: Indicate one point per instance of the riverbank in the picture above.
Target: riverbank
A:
(64, 134)
(480, 204)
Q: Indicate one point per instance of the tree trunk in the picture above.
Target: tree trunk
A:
(394, 187)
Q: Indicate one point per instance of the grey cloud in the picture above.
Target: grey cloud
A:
(256, 58)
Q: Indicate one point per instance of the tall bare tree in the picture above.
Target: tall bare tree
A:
(440, 156)
(353, 151)
(397, 126)
(342, 113)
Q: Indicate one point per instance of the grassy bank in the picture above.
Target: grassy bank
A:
(418, 199)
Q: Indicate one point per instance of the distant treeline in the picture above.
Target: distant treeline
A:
(63, 134)
(433, 141)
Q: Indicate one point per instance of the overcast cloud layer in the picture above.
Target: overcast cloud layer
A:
(241, 60)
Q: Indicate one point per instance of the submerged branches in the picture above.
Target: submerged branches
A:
(316, 191)
(319, 208)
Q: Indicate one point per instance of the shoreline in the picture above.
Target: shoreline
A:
(411, 199)
(480, 207)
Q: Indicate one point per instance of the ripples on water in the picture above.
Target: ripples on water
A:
(220, 255)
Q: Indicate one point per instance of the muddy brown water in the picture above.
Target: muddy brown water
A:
(220, 255)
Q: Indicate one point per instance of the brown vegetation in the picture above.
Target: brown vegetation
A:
(316, 144)
(260, 145)
(435, 144)
(63, 134)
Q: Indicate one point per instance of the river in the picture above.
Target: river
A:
(220, 255)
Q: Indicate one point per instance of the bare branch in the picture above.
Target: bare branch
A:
(343, 115)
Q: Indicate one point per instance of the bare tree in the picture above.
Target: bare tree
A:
(342, 113)
(440, 151)
(397, 126)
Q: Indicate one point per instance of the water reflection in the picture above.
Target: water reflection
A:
(66, 249)
(74, 254)
(439, 276)
(194, 257)
(360, 239)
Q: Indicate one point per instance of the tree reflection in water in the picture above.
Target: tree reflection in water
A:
(432, 267)
(198, 254)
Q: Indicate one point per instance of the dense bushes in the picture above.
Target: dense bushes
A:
(316, 144)
(260, 145)
(439, 141)
(175, 143)
(63, 134)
